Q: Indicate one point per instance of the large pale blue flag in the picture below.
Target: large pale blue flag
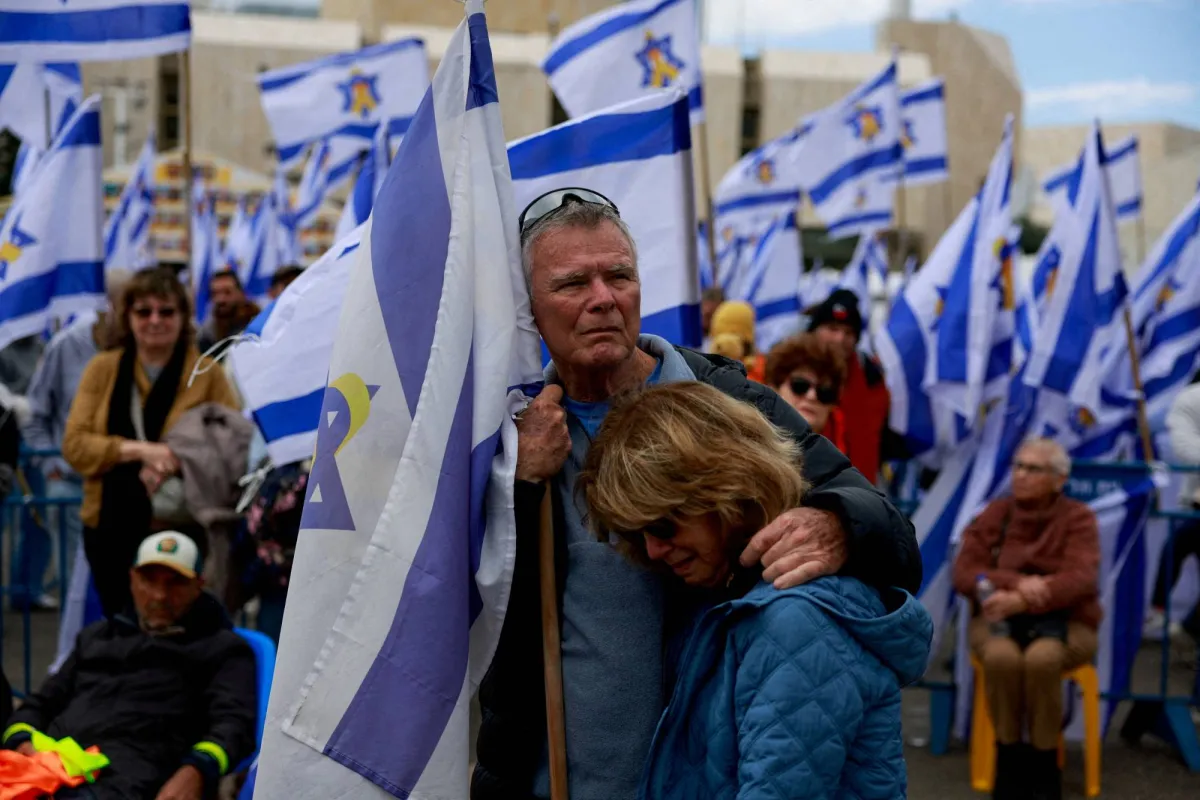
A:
(408, 540)
(127, 231)
(92, 30)
(344, 96)
(282, 367)
(639, 155)
(51, 251)
(626, 52)
(850, 152)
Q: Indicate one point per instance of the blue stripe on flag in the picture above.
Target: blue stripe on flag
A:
(289, 417)
(605, 139)
(679, 325)
(85, 132)
(1129, 208)
(611, 27)
(756, 200)
(866, 162)
(849, 225)
(905, 331)
(954, 326)
(1188, 229)
(929, 164)
(696, 97)
(1174, 327)
(785, 305)
(118, 24)
(936, 546)
(482, 88)
(1181, 373)
(885, 77)
(257, 324)
(418, 217)
(932, 93)
(1129, 597)
(279, 78)
(1117, 155)
(358, 130)
(35, 293)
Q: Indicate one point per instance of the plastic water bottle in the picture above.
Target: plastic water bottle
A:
(983, 590)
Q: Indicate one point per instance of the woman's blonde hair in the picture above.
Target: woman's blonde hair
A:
(687, 450)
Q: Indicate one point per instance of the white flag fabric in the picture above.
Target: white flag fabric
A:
(638, 155)
(774, 285)
(346, 96)
(23, 102)
(851, 151)
(366, 186)
(926, 146)
(1124, 179)
(51, 251)
(625, 52)
(283, 369)
(92, 30)
(206, 249)
(407, 541)
(127, 231)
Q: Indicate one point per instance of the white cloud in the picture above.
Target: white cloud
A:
(753, 20)
(1112, 98)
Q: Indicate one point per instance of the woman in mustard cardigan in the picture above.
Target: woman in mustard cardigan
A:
(118, 451)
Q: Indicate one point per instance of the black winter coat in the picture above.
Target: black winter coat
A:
(145, 700)
(512, 736)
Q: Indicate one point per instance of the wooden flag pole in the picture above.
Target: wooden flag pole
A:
(1136, 367)
(185, 122)
(901, 223)
(1141, 238)
(556, 732)
(705, 178)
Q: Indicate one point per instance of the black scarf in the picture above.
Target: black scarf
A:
(125, 511)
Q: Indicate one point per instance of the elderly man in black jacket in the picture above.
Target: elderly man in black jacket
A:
(619, 623)
(166, 691)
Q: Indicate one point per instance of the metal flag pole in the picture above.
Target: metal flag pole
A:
(705, 178)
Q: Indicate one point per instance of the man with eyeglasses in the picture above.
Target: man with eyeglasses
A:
(621, 625)
(1031, 563)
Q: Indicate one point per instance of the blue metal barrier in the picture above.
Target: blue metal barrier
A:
(1161, 713)
(24, 508)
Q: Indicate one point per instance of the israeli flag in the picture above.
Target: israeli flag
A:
(1171, 338)
(366, 187)
(851, 150)
(272, 240)
(314, 184)
(639, 156)
(1124, 179)
(1083, 316)
(51, 251)
(629, 51)
(206, 248)
(870, 258)
(926, 148)
(347, 96)
(816, 285)
(407, 542)
(92, 30)
(283, 369)
(238, 253)
(127, 231)
(774, 283)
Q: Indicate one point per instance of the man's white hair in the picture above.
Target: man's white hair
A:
(573, 215)
(1060, 462)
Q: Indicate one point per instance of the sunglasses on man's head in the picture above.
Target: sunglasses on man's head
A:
(825, 394)
(145, 312)
(552, 202)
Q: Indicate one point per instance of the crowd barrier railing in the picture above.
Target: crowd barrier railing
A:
(1163, 713)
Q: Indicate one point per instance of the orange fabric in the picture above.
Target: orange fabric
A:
(25, 777)
(756, 369)
(865, 408)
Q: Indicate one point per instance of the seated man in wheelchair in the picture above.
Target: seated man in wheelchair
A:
(1031, 564)
(165, 690)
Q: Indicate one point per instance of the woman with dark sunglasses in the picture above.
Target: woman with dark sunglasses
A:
(128, 398)
(791, 693)
(808, 373)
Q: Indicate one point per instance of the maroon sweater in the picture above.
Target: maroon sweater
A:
(1061, 543)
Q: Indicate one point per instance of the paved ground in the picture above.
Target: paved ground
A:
(1149, 772)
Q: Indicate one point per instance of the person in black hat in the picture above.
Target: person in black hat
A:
(865, 401)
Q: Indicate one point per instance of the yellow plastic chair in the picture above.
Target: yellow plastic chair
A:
(983, 733)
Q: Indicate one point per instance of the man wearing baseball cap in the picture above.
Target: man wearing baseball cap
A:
(865, 401)
(166, 689)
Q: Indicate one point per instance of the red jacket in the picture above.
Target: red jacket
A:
(865, 406)
(835, 429)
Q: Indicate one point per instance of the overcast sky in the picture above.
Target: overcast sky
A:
(1119, 60)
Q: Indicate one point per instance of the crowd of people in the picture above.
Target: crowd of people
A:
(736, 595)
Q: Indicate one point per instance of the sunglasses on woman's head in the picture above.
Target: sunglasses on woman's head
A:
(145, 312)
(552, 202)
(825, 394)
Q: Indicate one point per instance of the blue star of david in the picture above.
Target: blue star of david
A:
(656, 71)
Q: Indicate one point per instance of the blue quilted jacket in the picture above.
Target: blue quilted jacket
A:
(792, 694)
